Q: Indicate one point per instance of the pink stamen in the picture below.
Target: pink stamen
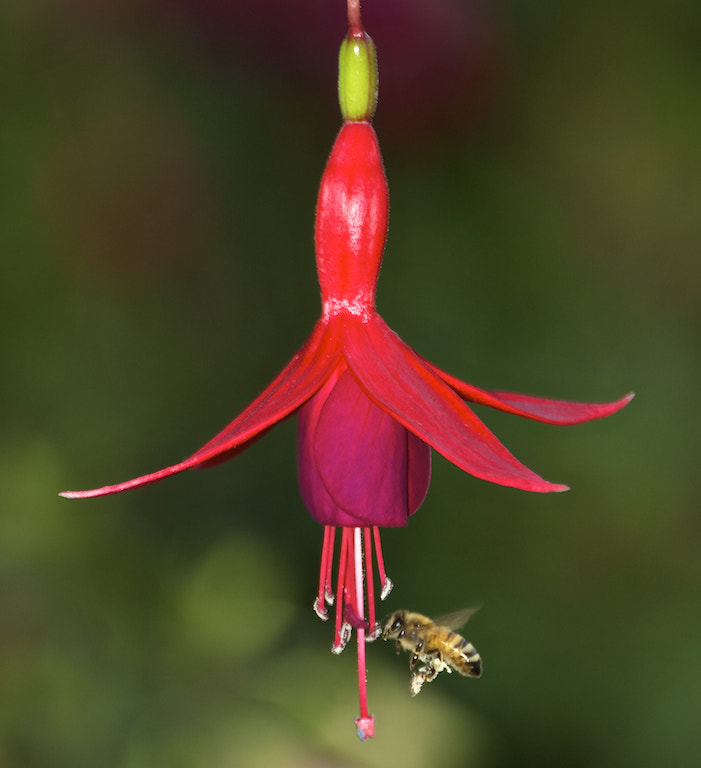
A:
(350, 615)
(329, 531)
(370, 584)
(341, 634)
(325, 574)
(385, 582)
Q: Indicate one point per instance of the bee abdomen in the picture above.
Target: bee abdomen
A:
(470, 660)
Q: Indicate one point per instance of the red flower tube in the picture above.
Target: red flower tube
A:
(370, 409)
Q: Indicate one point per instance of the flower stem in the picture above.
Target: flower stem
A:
(355, 25)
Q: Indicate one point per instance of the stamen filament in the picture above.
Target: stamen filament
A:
(340, 590)
(342, 628)
(370, 585)
(352, 616)
(328, 579)
(322, 597)
(385, 582)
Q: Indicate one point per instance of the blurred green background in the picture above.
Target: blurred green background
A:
(158, 172)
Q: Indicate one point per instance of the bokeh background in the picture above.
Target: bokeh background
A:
(158, 170)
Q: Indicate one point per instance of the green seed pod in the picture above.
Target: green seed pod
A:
(357, 78)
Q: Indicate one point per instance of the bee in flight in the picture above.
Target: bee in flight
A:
(434, 643)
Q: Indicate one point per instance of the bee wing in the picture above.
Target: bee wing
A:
(456, 619)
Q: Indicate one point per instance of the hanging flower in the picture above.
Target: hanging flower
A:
(370, 409)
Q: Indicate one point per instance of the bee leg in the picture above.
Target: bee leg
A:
(424, 674)
(433, 665)
(415, 655)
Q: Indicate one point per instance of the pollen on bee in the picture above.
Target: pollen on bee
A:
(416, 684)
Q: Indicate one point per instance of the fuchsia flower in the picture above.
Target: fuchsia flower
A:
(369, 408)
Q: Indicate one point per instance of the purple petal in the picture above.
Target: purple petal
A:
(419, 472)
(357, 465)
(315, 496)
(404, 386)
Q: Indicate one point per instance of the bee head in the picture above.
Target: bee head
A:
(393, 624)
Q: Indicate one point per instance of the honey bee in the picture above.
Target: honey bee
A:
(434, 643)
